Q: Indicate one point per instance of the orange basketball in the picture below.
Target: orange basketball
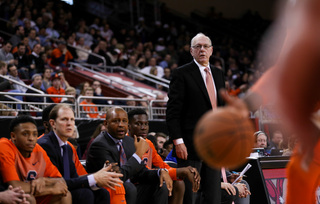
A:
(224, 138)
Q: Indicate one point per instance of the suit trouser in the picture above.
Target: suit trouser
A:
(152, 193)
(210, 185)
(88, 196)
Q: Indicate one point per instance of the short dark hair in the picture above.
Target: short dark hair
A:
(9, 66)
(46, 112)
(137, 111)
(21, 119)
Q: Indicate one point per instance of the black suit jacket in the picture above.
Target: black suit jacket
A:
(50, 143)
(188, 101)
(103, 148)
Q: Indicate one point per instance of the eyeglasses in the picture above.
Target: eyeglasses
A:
(198, 47)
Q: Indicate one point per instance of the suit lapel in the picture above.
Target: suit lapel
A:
(113, 147)
(195, 73)
(57, 149)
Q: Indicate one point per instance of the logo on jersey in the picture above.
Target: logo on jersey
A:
(35, 163)
(32, 175)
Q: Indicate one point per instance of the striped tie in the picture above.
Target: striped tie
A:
(123, 158)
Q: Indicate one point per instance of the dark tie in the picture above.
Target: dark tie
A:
(66, 169)
(210, 88)
(123, 157)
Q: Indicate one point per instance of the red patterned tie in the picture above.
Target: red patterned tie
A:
(123, 158)
(210, 88)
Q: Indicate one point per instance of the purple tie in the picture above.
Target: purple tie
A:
(123, 158)
(66, 169)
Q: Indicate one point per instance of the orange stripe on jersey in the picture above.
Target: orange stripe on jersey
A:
(80, 169)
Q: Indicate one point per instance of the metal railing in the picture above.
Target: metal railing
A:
(10, 103)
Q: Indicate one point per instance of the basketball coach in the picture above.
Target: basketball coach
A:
(193, 91)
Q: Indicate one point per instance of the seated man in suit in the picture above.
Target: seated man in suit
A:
(139, 126)
(84, 188)
(23, 163)
(113, 145)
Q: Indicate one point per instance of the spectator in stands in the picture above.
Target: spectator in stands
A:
(60, 56)
(70, 91)
(51, 32)
(56, 88)
(36, 175)
(97, 91)
(153, 66)
(92, 111)
(167, 73)
(36, 83)
(93, 59)
(21, 61)
(71, 43)
(35, 60)
(13, 74)
(185, 56)
(139, 126)
(166, 61)
(25, 41)
(5, 53)
(101, 127)
(46, 81)
(83, 187)
(4, 84)
(33, 39)
(276, 141)
(7, 111)
(132, 65)
(104, 147)
(18, 36)
(106, 32)
(43, 36)
(64, 82)
(261, 140)
(161, 138)
(82, 55)
(113, 57)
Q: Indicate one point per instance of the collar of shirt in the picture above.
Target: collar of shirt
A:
(35, 54)
(201, 69)
(60, 142)
(115, 140)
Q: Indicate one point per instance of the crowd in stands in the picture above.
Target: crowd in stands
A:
(48, 36)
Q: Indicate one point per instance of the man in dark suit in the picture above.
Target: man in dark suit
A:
(109, 145)
(189, 99)
(84, 188)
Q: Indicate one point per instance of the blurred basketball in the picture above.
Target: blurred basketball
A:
(224, 138)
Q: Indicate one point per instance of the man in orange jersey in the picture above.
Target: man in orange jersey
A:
(56, 88)
(139, 126)
(24, 163)
(292, 85)
(83, 187)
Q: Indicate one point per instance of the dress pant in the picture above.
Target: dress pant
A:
(152, 193)
(131, 192)
(209, 192)
(88, 196)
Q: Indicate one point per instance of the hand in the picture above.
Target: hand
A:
(165, 177)
(141, 146)
(114, 166)
(181, 151)
(192, 175)
(106, 178)
(64, 51)
(243, 191)
(229, 188)
(14, 195)
(59, 187)
(233, 177)
(235, 103)
(38, 185)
